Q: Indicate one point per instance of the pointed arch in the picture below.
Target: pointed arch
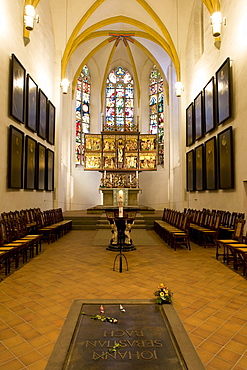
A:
(104, 43)
(211, 5)
(122, 19)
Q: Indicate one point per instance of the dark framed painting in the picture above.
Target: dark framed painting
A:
(198, 116)
(32, 104)
(200, 168)
(190, 125)
(211, 164)
(225, 159)
(41, 161)
(190, 170)
(209, 106)
(51, 123)
(42, 114)
(49, 170)
(30, 163)
(223, 92)
(16, 151)
(17, 89)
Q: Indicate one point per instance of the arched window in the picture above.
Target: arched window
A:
(156, 104)
(119, 101)
(82, 113)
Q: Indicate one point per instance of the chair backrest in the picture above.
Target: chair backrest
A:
(164, 214)
(238, 231)
(186, 223)
(233, 220)
(217, 222)
(207, 219)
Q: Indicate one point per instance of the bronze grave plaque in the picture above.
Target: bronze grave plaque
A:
(142, 339)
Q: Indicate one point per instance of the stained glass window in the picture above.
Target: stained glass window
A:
(82, 113)
(156, 109)
(119, 101)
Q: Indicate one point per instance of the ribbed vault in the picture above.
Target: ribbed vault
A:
(94, 27)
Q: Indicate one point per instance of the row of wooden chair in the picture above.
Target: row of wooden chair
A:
(52, 225)
(16, 241)
(207, 218)
(22, 233)
(204, 229)
(234, 250)
(228, 237)
(174, 228)
(204, 226)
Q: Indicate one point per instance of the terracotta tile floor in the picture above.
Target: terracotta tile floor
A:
(210, 298)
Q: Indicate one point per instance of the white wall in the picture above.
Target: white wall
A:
(196, 74)
(76, 189)
(38, 59)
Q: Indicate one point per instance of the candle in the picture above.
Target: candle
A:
(120, 196)
(120, 211)
(120, 201)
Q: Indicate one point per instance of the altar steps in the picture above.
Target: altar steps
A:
(87, 222)
(81, 220)
(139, 223)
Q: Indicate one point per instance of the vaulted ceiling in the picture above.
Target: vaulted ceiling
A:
(112, 31)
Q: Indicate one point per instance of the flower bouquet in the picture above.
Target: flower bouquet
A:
(163, 294)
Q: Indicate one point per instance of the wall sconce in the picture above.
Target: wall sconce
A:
(65, 85)
(29, 17)
(216, 22)
(178, 88)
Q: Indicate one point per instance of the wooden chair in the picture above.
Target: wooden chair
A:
(181, 238)
(5, 261)
(47, 228)
(22, 235)
(236, 238)
(176, 226)
(210, 235)
(13, 249)
(240, 258)
(235, 252)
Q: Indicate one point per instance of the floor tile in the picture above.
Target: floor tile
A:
(209, 297)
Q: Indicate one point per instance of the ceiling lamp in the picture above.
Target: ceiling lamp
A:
(216, 22)
(65, 85)
(29, 17)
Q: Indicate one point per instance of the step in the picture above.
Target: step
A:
(84, 222)
(139, 223)
(99, 221)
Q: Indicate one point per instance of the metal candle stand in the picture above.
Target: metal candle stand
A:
(120, 222)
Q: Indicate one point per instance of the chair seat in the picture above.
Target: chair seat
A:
(228, 241)
(10, 247)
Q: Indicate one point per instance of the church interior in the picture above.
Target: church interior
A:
(134, 103)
